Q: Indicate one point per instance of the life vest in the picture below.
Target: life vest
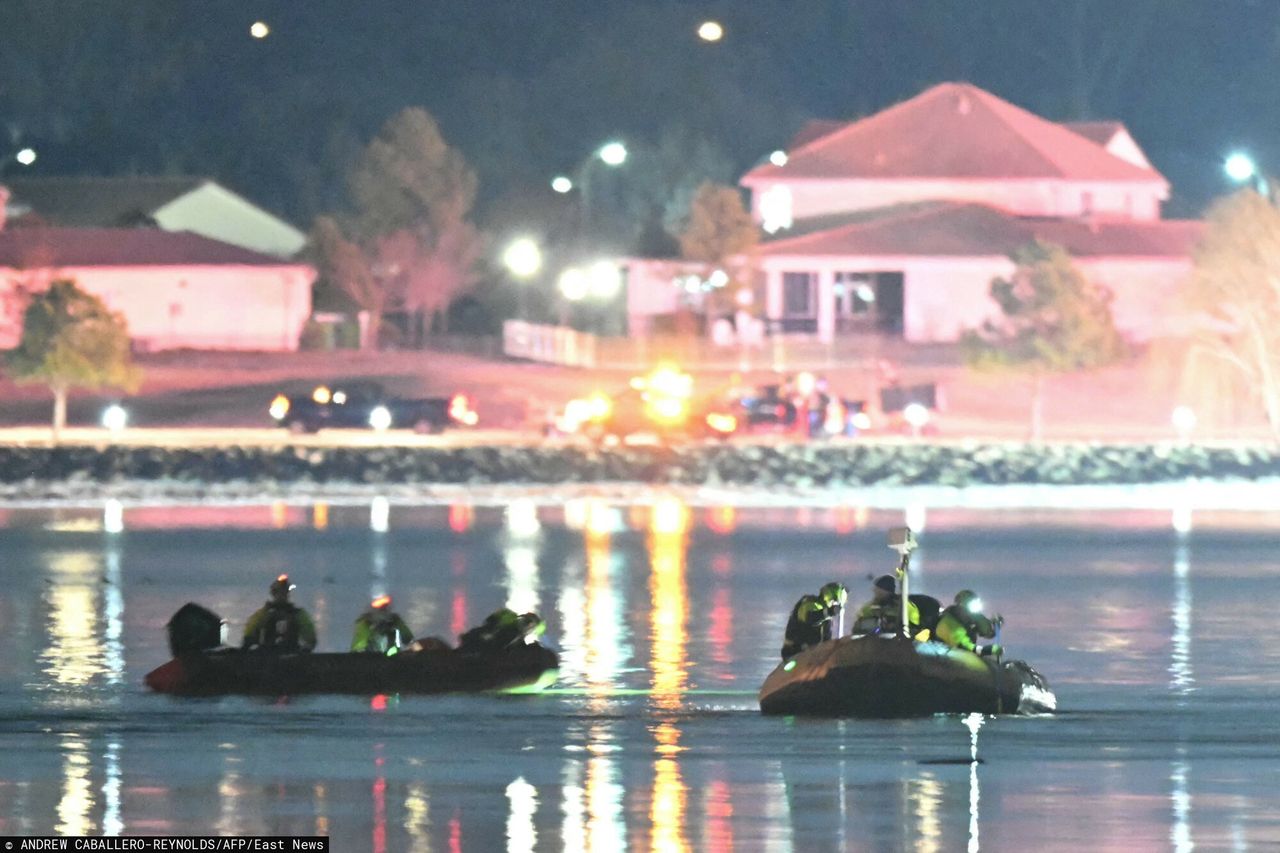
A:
(279, 628)
(383, 631)
(805, 627)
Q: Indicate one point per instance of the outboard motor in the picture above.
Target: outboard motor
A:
(195, 629)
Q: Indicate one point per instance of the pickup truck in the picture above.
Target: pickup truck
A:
(367, 405)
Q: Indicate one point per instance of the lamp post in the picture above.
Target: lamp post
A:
(612, 154)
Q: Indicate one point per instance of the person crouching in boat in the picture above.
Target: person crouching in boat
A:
(280, 625)
(501, 629)
(963, 623)
(883, 613)
(380, 630)
(808, 625)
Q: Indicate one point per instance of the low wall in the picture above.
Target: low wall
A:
(799, 465)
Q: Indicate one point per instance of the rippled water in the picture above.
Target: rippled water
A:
(1157, 632)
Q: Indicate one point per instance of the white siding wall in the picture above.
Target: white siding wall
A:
(1138, 200)
(237, 308)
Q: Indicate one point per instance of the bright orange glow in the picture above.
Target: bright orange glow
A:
(460, 410)
(670, 796)
(805, 383)
(320, 516)
(380, 602)
(321, 395)
(279, 407)
(722, 519)
(282, 578)
(670, 614)
(720, 630)
(721, 423)
(668, 410)
(279, 515)
(379, 702)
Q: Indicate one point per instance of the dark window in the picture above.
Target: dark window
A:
(797, 294)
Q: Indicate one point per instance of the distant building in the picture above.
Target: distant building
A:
(175, 290)
(899, 221)
(190, 204)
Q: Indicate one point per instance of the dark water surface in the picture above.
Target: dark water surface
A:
(1158, 633)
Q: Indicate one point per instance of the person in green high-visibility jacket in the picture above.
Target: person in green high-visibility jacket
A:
(883, 613)
(380, 630)
(806, 625)
(963, 623)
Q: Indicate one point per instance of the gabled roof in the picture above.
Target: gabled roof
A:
(27, 248)
(1100, 132)
(95, 202)
(953, 131)
(814, 129)
(958, 229)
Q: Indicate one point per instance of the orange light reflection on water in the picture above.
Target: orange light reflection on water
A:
(668, 540)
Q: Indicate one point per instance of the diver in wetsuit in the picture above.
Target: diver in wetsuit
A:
(963, 623)
(280, 625)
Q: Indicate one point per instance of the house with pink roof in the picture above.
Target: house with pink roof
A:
(897, 223)
(176, 289)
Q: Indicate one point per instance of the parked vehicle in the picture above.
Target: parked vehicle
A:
(367, 405)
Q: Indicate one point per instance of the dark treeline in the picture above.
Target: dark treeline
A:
(527, 90)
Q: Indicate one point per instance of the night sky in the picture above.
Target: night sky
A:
(528, 88)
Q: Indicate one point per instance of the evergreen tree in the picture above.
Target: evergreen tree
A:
(1053, 320)
(70, 339)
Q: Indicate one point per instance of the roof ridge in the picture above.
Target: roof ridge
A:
(906, 213)
(1004, 110)
(858, 123)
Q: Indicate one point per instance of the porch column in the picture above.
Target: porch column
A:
(772, 295)
(826, 314)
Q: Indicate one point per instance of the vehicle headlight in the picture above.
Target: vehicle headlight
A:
(380, 418)
(279, 407)
(668, 409)
(721, 422)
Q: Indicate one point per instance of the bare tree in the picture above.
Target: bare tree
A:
(1235, 289)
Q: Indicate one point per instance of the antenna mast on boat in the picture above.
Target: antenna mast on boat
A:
(903, 541)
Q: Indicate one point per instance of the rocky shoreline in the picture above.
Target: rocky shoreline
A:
(71, 469)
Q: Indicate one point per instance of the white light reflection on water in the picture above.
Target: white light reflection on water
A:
(973, 723)
(113, 612)
(1183, 680)
(76, 803)
(520, 554)
(926, 797)
(73, 656)
(417, 809)
(380, 515)
(522, 797)
(112, 822)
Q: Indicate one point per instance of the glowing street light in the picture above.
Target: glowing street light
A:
(1240, 167)
(115, 418)
(259, 30)
(916, 416)
(604, 280)
(778, 158)
(574, 284)
(612, 154)
(522, 258)
(25, 156)
(710, 31)
(561, 184)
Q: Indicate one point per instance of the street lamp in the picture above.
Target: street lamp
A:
(710, 31)
(1242, 168)
(23, 157)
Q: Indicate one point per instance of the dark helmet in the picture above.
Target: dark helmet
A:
(886, 583)
(280, 587)
(833, 593)
(968, 599)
